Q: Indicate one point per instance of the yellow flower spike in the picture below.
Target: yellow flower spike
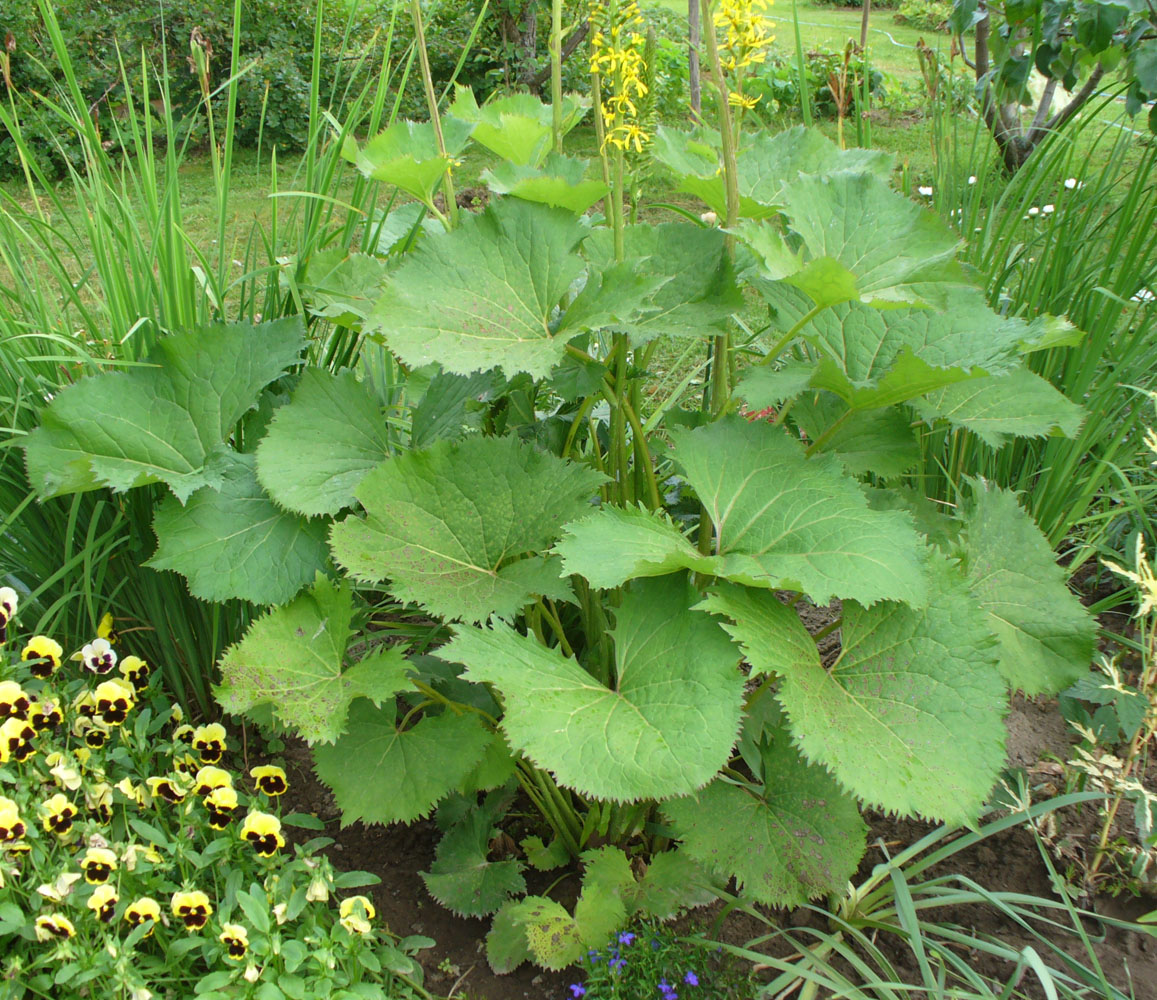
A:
(43, 656)
(209, 778)
(11, 825)
(144, 909)
(98, 864)
(209, 742)
(193, 909)
(136, 671)
(57, 814)
(45, 714)
(745, 101)
(236, 941)
(270, 780)
(14, 701)
(1143, 579)
(98, 656)
(49, 927)
(263, 831)
(16, 736)
(221, 803)
(114, 700)
(355, 914)
(166, 789)
(103, 902)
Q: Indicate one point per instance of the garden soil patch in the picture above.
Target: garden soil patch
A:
(456, 966)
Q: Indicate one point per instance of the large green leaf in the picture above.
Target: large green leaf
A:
(879, 441)
(380, 774)
(766, 162)
(792, 838)
(163, 422)
(909, 715)
(234, 542)
(1018, 403)
(463, 878)
(516, 127)
(460, 528)
(483, 295)
(616, 544)
(343, 286)
(292, 659)
(406, 155)
(1047, 638)
(320, 447)
(858, 239)
(451, 406)
(561, 182)
(783, 520)
(702, 292)
(664, 727)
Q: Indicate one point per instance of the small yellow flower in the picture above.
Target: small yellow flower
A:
(84, 705)
(98, 864)
(263, 831)
(16, 736)
(14, 701)
(9, 601)
(106, 629)
(43, 656)
(103, 902)
(61, 769)
(11, 825)
(193, 909)
(167, 789)
(176, 715)
(270, 780)
(221, 803)
(145, 908)
(51, 926)
(209, 742)
(45, 714)
(98, 656)
(57, 814)
(59, 890)
(186, 765)
(136, 671)
(98, 800)
(209, 777)
(183, 734)
(135, 851)
(95, 734)
(745, 101)
(236, 941)
(114, 700)
(134, 793)
(355, 914)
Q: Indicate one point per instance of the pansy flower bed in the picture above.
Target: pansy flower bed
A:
(138, 860)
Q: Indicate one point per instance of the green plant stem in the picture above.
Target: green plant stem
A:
(556, 72)
(432, 107)
(791, 334)
(555, 626)
(827, 435)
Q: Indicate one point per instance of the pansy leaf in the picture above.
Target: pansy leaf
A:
(1047, 638)
(463, 878)
(459, 528)
(381, 774)
(909, 715)
(761, 491)
(664, 727)
(483, 295)
(234, 542)
(292, 659)
(320, 446)
(165, 421)
(1018, 403)
(795, 837)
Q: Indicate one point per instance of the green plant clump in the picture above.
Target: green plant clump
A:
(696, 640)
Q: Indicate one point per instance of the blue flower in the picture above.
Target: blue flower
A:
(626, 938)
(592, 956)
(617, 962)
(667, 990)
(691, 979)
(654, 944)
(577, 990)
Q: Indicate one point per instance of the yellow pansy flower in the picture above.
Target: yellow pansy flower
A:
(98, 864)
(11, 825)
(57, 814)
(16, 736)
(221, 803)
(14, 701)
(263, 831)
(43, 656)
(114, 700)
(141, 910)
(269, 779)
(136, 671)
(193, 908)
(209, 742)
(236, 941)
(103, 902)
(355, 914)
(209, 778)
(167, 789)
(53, 925)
